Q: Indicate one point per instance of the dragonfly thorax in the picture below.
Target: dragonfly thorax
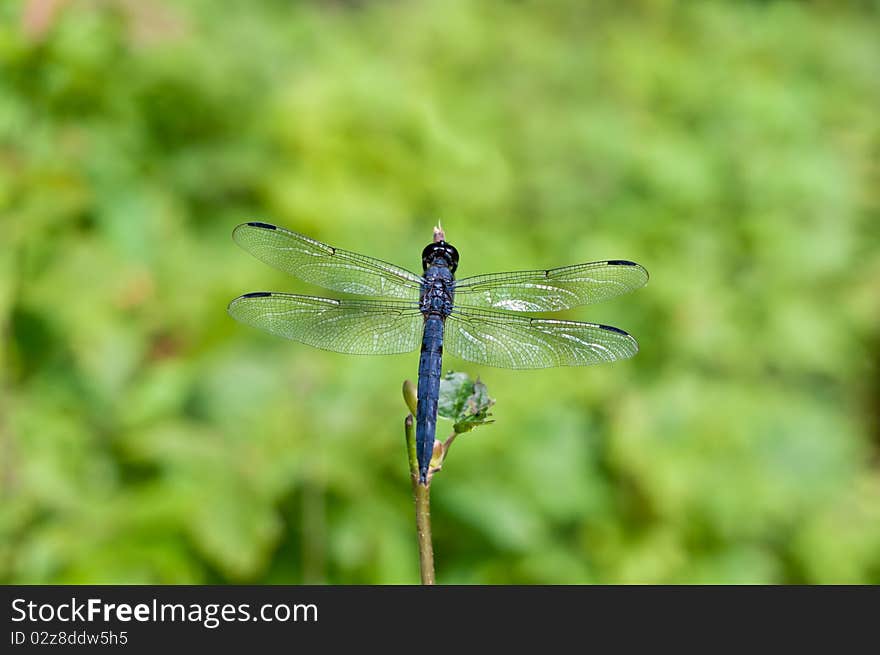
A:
(437, 291)
(439, 260)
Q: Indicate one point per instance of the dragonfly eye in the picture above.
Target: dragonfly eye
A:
(440, 251)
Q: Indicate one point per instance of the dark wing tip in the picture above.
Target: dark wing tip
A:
(253, 294)
(611, 328)
(265, 226)
(626, 262)
(631, 338)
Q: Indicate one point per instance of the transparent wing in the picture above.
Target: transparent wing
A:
(552, 290)
(356, 327)
(329, 267)
(511, 341)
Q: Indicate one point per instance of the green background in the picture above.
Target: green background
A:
(732, 148)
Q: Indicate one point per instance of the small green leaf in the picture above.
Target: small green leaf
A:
(438, 454)
(464, 401)
(409, 395)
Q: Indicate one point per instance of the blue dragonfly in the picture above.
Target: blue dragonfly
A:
(434, 311)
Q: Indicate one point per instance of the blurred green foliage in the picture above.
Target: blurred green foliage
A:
(733, 148)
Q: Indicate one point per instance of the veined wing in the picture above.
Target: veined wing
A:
(511, 341)
(554, 289)
(326, 266)
(355, 327)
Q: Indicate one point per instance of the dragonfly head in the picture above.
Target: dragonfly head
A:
(440, 254)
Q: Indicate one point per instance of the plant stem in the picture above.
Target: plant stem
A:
(422, 494)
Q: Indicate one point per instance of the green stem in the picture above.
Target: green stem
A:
(422, 494)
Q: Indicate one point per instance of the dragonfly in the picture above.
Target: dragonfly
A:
(482, 319)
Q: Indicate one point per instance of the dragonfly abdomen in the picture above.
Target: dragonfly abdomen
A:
(430, 368)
